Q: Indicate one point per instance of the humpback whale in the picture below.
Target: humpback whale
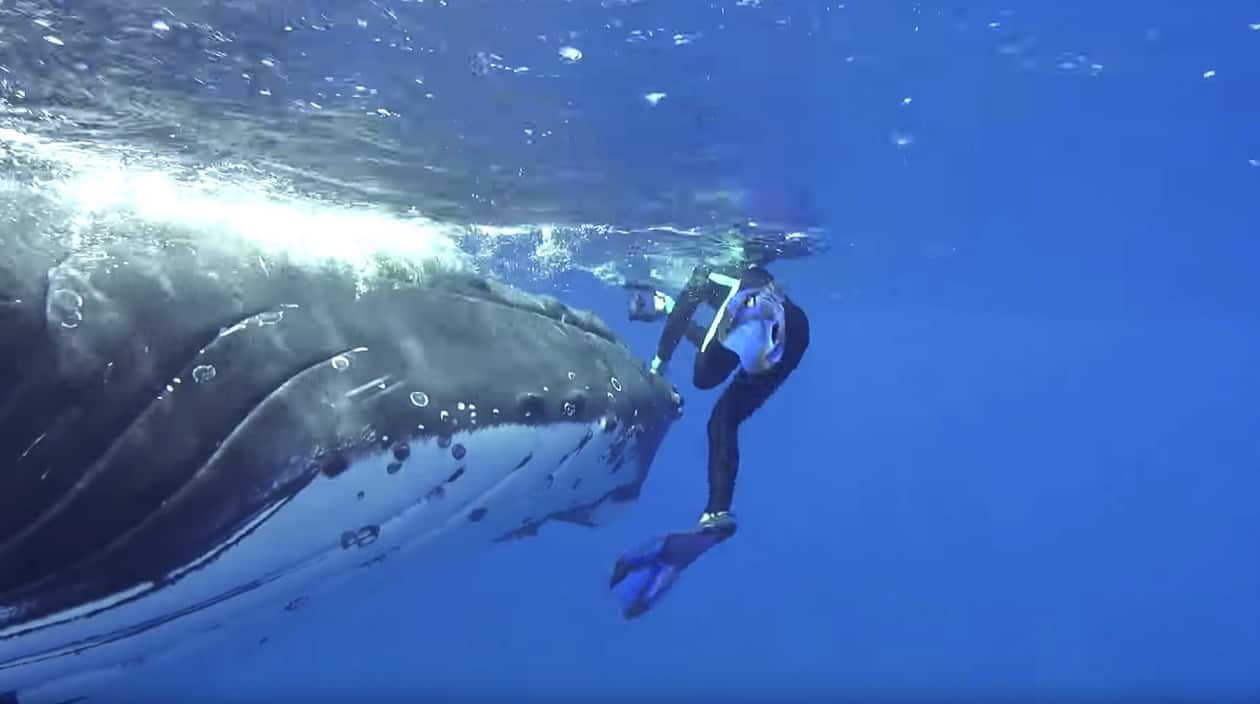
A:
(194, 433)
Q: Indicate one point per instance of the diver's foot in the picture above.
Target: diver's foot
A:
(642, 576)
(718, 522)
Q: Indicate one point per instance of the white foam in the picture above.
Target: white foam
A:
(131, 186)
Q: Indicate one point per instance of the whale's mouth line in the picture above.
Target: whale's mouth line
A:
(100, 639)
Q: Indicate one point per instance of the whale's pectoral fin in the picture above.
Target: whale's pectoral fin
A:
(644, 575)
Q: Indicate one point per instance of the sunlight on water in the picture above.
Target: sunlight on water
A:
(125, 190)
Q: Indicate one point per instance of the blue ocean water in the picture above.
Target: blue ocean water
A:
(1020, 458)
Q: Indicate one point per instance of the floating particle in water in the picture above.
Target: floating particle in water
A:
(160, 26)
(203, 373)
(1254, 162)
(570, 54)
(681, 39)
(56, 41)
(654, 98)
(1210, 73)
(907, 100)
(902, 139)
(1254, 26)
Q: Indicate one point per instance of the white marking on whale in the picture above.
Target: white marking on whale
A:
(305, 545)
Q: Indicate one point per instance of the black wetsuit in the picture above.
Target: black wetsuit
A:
(746, 392)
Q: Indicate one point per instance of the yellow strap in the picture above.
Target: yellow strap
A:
(721, 280)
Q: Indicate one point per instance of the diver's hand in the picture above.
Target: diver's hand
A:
(656, 366)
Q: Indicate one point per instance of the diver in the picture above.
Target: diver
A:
(758, 333)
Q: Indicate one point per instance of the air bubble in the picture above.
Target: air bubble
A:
(340, 362)
(569, 408)
(203, 373)
(460, 406)
(445, 415)
(616, 384)
(419, 399)
(572, 376)
(270, 317)
(66, 306)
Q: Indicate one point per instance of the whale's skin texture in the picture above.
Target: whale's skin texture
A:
(194, 434)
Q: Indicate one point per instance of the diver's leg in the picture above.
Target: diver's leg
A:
(745, 394)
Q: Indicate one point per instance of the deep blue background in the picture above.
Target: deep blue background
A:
(1021, 456)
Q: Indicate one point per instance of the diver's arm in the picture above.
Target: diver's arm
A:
(679, 323)
(713, 365)
(695, 334)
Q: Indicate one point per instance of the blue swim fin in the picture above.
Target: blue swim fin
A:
(643, 576)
